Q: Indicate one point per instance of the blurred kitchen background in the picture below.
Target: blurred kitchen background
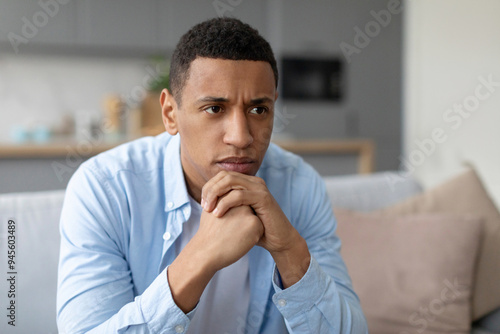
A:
(366, 85)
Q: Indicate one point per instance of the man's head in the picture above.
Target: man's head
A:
(219, 38)
(223, 82)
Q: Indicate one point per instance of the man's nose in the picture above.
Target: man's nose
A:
(237, 132)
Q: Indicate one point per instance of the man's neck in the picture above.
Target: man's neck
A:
(193, 190)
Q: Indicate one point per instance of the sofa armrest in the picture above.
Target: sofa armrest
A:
(489, 324)
(476, 330)
(370, 192)
(36, 220)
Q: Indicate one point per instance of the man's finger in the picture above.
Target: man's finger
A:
(231, 200)
(221, 184)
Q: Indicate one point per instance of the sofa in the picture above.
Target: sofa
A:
(33, 218)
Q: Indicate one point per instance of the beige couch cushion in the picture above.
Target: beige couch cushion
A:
(413, 274)
(465, 194)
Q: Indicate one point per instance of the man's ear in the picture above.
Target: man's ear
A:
(169, 112)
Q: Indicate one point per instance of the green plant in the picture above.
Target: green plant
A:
(161, 67)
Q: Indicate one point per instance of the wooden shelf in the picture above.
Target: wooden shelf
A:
(27, 151)
(363, 148)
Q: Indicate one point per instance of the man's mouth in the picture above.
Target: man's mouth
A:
(237, 164)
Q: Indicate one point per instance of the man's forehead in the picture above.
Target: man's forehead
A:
(217, 77)
(204, 64)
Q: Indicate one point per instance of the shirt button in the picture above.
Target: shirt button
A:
(281, 302)
(170, 205)
(179, 329)
(166, 236)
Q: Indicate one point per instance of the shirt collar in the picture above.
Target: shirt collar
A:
(176, 194)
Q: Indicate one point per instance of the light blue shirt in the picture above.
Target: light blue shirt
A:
(122, 216)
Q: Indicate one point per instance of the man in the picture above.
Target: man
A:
(206, 228)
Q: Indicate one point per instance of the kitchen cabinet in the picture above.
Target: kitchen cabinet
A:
(124, 26)
(83, 26)
(25, 22)
(177, 17)
(372, 101)
(117, 23)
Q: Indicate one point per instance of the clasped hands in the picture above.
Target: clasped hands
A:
(239, 212)
(241, 208)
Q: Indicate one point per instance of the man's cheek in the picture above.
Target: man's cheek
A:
(263, 135)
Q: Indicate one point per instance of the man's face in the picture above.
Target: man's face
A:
(225, 118)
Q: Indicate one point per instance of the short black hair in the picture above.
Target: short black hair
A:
(218, 38)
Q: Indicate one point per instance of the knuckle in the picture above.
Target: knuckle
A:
(266, 196)
(258, 227)
(248, 212)
(239, 196)
(221, 204)
(231, 178)
(260, 180)
(206, 189)
(256, 221)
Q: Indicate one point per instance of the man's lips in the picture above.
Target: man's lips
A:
(237, 164)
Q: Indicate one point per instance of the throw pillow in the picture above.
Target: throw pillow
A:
(413, 274)
(460, 195)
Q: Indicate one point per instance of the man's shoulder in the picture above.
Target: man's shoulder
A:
(138, 156)
(295, 185)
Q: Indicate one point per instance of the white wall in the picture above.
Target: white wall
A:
(40, 89)
(449, 46)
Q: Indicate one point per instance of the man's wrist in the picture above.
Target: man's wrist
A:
(188, 276)
(293, 262)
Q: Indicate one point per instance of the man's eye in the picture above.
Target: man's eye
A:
(213, 109)
(258, 110)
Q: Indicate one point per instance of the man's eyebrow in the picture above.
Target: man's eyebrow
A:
(261, 100)
(258, 100)
(213, 99)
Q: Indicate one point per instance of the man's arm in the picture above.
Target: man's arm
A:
(313, 289)
(218, 243)
(325, 292)
(95, 287)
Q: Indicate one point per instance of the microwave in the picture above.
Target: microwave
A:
(313, 79)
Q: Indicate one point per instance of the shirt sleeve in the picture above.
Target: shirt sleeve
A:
(95, 289)
(323, 300)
